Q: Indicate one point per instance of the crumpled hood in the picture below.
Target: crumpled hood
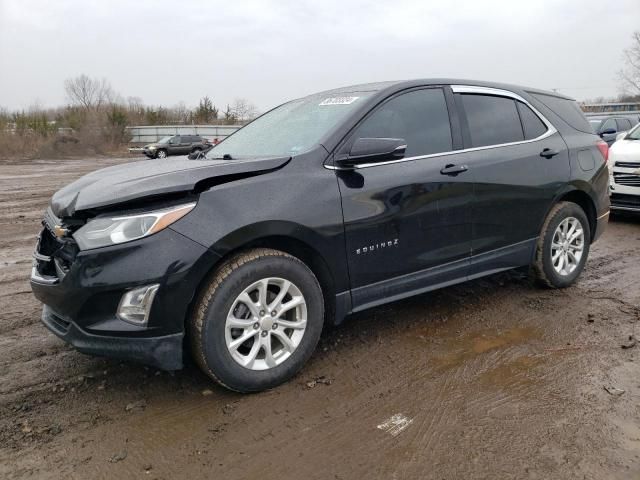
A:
(147, 178)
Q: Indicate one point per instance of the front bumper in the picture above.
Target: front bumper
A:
(625, 202)
(80, 306)
(164, 352)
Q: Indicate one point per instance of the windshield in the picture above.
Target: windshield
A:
(595, 123)
(165, 139)
(634, 134)
(289, 129)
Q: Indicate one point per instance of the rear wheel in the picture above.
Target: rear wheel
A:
(258, 320)
(563, 246)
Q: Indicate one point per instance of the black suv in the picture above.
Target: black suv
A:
(324, 206)
(609, 127)
(175, 145)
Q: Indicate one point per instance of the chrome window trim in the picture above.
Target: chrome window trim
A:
(498, 92)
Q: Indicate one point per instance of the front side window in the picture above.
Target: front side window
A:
(609, 124)
(419, 117)
(492, 120)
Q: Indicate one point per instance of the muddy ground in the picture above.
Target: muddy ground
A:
(492, 379)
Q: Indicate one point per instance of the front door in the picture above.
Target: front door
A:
(408, 222)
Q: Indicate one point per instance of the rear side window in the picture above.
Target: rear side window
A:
(566, 109)
(623, 124)
(531, 124)
(419, 117)
(492, 120)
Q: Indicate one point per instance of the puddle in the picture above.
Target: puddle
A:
(461, 350)
(516, 372)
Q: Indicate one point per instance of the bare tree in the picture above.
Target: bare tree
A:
(243, 110)
(630, 74)
(89, 93)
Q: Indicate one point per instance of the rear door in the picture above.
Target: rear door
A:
(185, 144)
(407, 225)
(519, 161)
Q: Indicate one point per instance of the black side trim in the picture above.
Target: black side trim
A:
(410, 284)
(506, 258)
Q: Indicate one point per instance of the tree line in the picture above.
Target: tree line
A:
(95, 118)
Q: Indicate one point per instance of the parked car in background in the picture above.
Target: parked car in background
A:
(176, 145)
(324, 206)
(609, 127)
(624, 166)
(199, 153)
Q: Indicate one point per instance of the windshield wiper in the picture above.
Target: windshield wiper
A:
(226, 156)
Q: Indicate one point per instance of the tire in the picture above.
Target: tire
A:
(196, 150)
(161, 154)
(549, 269)
(242, 369)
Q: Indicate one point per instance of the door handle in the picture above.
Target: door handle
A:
(453, 170)
(548, 153)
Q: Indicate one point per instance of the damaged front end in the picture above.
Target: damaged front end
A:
(114, 276)
(55, 249)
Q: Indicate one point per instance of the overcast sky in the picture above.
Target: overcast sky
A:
(166, 52)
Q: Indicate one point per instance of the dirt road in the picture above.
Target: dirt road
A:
(493, 379)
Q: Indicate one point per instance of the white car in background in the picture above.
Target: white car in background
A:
(624, 169)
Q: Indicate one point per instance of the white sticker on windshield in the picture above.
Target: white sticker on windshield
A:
(338, 101)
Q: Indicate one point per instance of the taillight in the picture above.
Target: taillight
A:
(604, 149)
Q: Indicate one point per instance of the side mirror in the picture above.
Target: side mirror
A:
(373, 150)
(608, 131)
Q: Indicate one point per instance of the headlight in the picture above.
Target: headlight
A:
(101, 232)
(151, 147)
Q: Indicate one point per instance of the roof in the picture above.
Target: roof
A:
(401, 84)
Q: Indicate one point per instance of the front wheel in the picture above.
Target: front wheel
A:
(563, 246)
(257, 321)
(161, 154)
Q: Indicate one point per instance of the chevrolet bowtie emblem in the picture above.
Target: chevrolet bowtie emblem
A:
(60, 231)
(636, 172)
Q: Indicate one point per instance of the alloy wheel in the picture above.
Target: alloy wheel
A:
(567, 246)
(266, 323)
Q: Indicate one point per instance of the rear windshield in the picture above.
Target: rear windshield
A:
(566, 109)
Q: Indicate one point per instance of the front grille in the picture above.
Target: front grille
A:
(53, 256)
(626, 179)
(627, 164)
(622, 200)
